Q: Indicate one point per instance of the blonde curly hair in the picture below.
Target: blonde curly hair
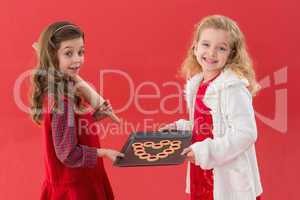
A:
(238, 61)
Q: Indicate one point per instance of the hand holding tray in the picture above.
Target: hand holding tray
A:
(154, 149)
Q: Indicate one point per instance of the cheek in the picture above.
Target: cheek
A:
(63, 64)
(198, 57)
(225, 58)
(198, 53)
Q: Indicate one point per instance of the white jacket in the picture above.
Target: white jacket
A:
(231, 154)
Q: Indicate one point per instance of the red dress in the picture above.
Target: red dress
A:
(202, 180)
(72, 169)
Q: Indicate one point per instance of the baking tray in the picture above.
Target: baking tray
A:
(131, 160)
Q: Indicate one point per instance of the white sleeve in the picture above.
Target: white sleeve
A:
(184, 125)
(215, 152)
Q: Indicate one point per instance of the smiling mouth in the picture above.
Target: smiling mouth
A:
(74, 68)
(209, 61)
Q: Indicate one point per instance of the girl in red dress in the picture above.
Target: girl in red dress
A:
(73, 157)
(222, 156)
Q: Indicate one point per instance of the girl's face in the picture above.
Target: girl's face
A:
(71, 56)
(212, 49)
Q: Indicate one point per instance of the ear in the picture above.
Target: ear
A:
(36, 47)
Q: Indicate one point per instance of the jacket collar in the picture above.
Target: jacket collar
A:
(226, 79)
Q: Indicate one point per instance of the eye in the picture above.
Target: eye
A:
(205, 44)
(81, 52)
(222, 49)
(69, 53)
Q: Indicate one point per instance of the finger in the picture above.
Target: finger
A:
(164, 128)
(108, 109)
(190, 159)
(189, 154)
(107, 113)
(102, 107)
(104, 110)
(122, 155)
(186, 151)
(105, 103)
(108, 103)
(161, 129)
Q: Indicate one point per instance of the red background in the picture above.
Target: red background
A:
(147, 40)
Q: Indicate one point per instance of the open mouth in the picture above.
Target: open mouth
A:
(75, 69)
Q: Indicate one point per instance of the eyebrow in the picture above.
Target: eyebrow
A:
(68, 47)
(224, 43)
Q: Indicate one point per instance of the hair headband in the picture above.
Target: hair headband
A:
(64, 26)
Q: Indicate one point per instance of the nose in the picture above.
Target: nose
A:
(212, 52)
(78, 58)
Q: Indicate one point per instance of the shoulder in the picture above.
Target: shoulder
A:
(236, 85)
(193, 82)
(229, 79)
(239, 91)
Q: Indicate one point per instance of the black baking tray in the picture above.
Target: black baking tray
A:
(131, 160)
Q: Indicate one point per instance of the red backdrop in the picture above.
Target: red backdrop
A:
(147, 40)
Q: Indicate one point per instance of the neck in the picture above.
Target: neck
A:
(208, 75)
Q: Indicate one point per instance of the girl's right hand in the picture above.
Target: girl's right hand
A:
(109, 153)
(168, 127)
(103, 111)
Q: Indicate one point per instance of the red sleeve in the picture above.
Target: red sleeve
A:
(64, 135)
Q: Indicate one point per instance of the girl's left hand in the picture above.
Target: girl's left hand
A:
(110, 154)
(190, 155)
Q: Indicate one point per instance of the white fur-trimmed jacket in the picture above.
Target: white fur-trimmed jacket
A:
(231, 154)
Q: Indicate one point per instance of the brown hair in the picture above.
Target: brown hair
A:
(239, 60)
(47, 77)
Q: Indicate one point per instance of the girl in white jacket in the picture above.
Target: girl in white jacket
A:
(221, 82)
